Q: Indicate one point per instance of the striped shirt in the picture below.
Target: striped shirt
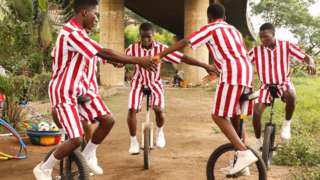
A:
(73, 51)
(227, 49)
(144, 76)
(272, 65)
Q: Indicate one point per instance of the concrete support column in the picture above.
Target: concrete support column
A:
(112, 36)
(195, 16)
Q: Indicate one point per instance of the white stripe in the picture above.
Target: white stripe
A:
(232, 60)
(233, 100)
(279, 63)
(223, 99)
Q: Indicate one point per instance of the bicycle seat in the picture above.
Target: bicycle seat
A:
(83, 99)
(274, 91)
(146, 90)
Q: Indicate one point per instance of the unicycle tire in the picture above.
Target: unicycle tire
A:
(211, 174)
(146, 147)
(268, 145)
(73, 167)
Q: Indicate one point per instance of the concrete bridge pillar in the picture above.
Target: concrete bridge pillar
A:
(195, 16)
(112, 36)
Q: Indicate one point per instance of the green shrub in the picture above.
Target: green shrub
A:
(303, 149)
(39, 87)
(20, 85)
(307, 173)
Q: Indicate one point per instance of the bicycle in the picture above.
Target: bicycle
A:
(147, 132)
(268, 145)
(73, 166)
(222, 158)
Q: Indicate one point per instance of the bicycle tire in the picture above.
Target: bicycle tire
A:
(78, 161)
(146, 148)
(229, 147)
(268, 143)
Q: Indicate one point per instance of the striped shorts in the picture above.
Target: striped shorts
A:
(226, 102)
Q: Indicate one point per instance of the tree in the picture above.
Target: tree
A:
(293, 15)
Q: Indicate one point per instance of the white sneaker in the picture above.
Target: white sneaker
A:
(94, 167)
(286, 130)
(244, 159)
(42, 174)
(161, 141)
(134, 146)
(245, 172)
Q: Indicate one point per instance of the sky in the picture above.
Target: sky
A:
(284, 33)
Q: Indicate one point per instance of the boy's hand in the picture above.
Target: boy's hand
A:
(311, 68)
(156, 59)
(148, 63)
(212, 70)
(209, 78)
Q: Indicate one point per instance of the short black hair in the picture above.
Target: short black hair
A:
(216, 11)
(146, 27)
(267, 26)
(80, 4)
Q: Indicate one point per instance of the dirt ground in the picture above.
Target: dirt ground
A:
(191, 137)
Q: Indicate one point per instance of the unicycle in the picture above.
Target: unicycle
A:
(74, 166)
(147, 132)
(224, 157)
(270, 130)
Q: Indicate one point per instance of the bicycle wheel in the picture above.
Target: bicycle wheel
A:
(70, 168)
(146, 147)
(222, 159)
(268, 144)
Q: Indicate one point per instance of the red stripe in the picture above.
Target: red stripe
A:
(270, 67)
(229, 75)
(263, 65)
(237, 101)
(244, 59)
(81, 45)
(275, 59)
(68, 121)
(255, 50)
(218, 98)
(227, 102)
(62, 122)
(77, 119)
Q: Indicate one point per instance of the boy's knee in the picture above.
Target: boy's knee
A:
(157, 109)
(76, 141)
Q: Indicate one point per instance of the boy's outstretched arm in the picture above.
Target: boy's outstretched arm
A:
(211, 69)
(111, 55)
(177, 46)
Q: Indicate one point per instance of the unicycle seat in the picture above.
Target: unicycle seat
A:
(146, 90)
(249, 96)
(274, 91)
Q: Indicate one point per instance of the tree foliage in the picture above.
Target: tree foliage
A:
(293, 15)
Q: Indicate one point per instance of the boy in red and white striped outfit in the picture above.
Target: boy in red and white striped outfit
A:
(227, 49)
(73, 51)
(272, 61)
(147, 46)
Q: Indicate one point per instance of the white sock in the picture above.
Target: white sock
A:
(89, 150)
(287, 122)
(133, 139)
(160, 129)
(259, 140)
(49, 163)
